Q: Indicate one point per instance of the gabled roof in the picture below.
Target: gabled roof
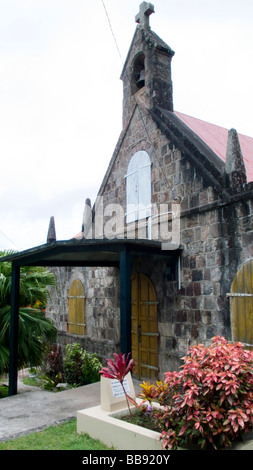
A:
(193, 147)
(216, 138)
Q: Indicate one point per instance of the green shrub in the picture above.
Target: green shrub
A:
(209, 402)
(80, 367)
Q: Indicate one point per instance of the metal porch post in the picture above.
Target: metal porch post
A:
(125, 301)
(13, 365)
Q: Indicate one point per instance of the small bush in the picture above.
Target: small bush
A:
(80, 367)
(52, 362)
(51, 370)
(209, 402)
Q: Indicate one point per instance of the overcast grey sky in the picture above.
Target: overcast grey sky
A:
(61, 95)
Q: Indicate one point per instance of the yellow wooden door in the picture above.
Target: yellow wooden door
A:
(144, 328)
(76, 301)
(241, 305)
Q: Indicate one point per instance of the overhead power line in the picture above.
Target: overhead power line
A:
(113, 35)
(13, 243)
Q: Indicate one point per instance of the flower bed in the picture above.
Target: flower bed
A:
(208, 403)
(114, 432)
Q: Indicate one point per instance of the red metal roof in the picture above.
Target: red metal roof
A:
(216, 138)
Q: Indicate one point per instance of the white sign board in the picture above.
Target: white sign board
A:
(112, 393)
(117, 389)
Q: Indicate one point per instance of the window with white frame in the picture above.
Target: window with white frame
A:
(138, 187)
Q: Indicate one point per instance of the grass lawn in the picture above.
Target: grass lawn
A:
(3, 391)
(60, 437)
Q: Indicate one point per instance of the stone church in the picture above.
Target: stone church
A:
(180, 191)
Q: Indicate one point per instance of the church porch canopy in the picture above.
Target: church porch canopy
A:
(83, 253)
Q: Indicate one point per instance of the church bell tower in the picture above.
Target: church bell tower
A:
(146, 74)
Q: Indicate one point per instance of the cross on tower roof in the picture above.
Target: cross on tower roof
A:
(146, 9)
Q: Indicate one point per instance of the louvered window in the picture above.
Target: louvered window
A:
(76, 302)
(138, 187)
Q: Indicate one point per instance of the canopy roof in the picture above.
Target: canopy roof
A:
(76, 252)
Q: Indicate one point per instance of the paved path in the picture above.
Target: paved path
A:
(33, 409)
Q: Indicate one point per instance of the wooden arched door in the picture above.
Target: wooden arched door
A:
(241, 305)
(144, 328)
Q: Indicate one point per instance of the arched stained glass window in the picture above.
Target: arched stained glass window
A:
(138, 187)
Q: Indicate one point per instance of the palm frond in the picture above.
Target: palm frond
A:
(4, 358)
(34, 327)
(33, 333)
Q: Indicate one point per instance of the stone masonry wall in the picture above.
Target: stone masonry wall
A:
(101, 308)
(215, 237)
